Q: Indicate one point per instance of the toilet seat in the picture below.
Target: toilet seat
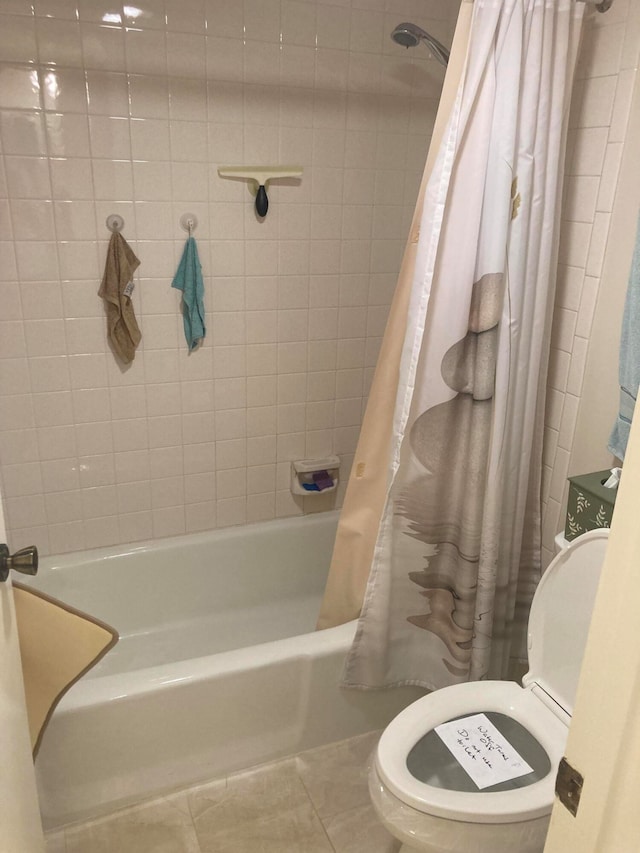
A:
(414, 722)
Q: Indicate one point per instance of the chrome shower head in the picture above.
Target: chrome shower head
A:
(407, 35)
(410, 35)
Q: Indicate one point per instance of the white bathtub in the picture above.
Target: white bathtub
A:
(218, 667)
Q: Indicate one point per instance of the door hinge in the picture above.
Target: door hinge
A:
(569, 786)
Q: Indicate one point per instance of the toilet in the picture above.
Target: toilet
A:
(420, 790)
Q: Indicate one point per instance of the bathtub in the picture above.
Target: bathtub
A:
(218, 667)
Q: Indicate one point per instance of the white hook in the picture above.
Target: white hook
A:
(189, 221)
(115, 222)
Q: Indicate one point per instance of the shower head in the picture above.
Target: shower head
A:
(410, 35)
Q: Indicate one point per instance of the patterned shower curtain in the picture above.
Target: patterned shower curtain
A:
(457, 541)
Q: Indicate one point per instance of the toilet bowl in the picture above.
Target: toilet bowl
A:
(420, 789)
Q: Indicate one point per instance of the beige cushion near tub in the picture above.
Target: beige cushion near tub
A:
(58, 644)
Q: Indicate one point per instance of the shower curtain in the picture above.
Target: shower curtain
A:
(455, 545)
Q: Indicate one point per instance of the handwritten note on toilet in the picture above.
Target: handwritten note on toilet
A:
(482, 751)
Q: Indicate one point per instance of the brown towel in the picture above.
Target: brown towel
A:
(58, 644)
(116, 289)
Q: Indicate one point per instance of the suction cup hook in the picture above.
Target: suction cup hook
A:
(189, 221)
(115, 222)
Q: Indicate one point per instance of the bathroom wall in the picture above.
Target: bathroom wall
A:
(601, 393)
(606, 74)
(109, 109)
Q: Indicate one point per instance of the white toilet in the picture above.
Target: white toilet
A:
(418, 788)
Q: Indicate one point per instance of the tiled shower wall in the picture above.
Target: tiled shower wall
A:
(606, 73)
(109, 109)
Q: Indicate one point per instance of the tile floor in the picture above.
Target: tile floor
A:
(316, 802)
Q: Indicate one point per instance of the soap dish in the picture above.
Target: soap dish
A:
(315, 476)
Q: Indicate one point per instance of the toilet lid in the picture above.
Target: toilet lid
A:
(560, 617)
(435, 794)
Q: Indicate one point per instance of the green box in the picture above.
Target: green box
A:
(590, 505)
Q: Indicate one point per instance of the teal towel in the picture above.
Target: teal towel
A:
(629, 358)
(188, 279)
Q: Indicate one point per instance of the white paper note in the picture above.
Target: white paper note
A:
(482, 751)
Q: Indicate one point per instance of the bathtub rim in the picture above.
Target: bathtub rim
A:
(90, 691)
(73, 559)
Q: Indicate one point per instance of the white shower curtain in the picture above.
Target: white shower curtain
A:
(454, 554)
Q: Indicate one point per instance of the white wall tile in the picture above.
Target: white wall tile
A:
(574, 243)
(27, 177)
(66, 537)
(262, 20)
(10, 294)
(260, 507)
(135, 526)
(602, 51)
(59, 42)
(24, 479)
(107, 93)
(19, 446)
(598, 244)
(170, 521)
(165, 431)
(261, 450)
(231, 424)
(19, 87)
(581, 195)
(577, 366)
(102, 46)
(17, 38)
(621, 106)
(597, 101)
(188, 98)
(166, 462)
(600, 114)
(58, 443)
(94, 438)
(18, 412)
(231, 511)
(23, 133)
(262, 421)
(110, 137)
(589, 151)
(64, 89)
(71, 179)
(78, 260)
(609, 179)
(146, 52)
(631, 46)
(60, 475)
(45, 337)
(587, 306)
